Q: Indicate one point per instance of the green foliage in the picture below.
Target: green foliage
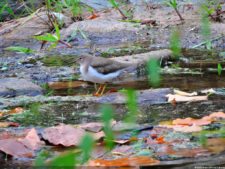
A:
(4, 7)
(107, 116)
(153, 68)
(208, 11)
(86, 147)
(64, 161)
(41, 157)
(205, 28)
(53, 38)
(19, 49)
(219, 69)
(114, 3)
(172, 3)
(74, 6)
(29, 117)
(175, 43)
(132, 106)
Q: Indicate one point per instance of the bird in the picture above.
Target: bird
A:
(100, 70)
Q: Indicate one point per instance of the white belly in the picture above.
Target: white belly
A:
(93, 76)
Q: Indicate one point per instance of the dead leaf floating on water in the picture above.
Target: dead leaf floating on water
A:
(65, 135)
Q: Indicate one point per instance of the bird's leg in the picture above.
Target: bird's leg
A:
(99, 89)
(103, 89)
(96, 86)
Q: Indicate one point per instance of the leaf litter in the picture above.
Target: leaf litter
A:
(137, 145)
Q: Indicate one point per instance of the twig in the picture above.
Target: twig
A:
(205, 42)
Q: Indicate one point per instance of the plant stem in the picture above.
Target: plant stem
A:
(178, 13)
(65, 43)
(123, 15)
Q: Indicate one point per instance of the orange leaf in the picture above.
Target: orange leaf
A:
(16, 110)
(93, 16)
(217, 115)
(123, 162)
(190, 121)
(8, 124)
(160, 140)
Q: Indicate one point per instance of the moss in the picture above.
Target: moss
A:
(58, 60)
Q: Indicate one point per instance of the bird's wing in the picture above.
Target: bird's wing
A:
(105, 66)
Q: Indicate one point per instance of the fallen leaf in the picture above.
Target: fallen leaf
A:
(182, 153)
(93, 16)
(190, 121)
(215, 145)
(182, 93)
(124, 162)
(185, 129)
(217, 115)
(179, 98)
(160, 140)
(8, 124)
(122, 150)
(13, 111)
(121, 141)
(65, 135)
(15, 148)
(93, 127)
(16, 110)
(32, 140)
(99, 135)
(98, 151)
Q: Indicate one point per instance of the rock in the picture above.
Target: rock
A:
(100, 26)
(23, 29)
(10, 87)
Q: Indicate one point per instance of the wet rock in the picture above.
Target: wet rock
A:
(10, 87)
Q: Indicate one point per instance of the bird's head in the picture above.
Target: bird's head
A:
(84, 59)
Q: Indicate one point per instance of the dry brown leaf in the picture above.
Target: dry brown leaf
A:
(99, 135)
(32, 140)
(122, 150)
(15, 148)
(179, 98)
(216, 145)
(182, 128)
(195, 152)
(217, 115)
(65, 135)
(124, 162)
(190, 121)
(93, 16)
(8, 124)
(16, 110)
(93, 127)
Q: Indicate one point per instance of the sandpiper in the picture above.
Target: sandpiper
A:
(100, 70)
